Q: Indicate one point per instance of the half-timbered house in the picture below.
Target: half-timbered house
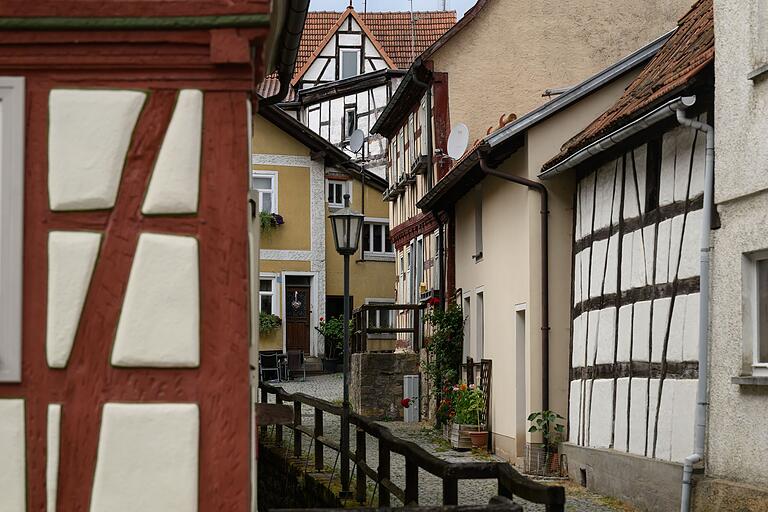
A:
(348, 66)
(124, 325)
(637, 229)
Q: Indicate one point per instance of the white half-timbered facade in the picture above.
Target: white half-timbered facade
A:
(636, 299)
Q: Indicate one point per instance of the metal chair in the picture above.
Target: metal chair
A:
(295, 363)
(269, 363)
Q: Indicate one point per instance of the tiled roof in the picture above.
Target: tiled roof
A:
(271, 86)
(690, 49)
(392, 29)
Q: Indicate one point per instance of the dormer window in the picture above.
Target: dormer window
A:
(350, 63)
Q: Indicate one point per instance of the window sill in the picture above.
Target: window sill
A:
(372, 256)
(750, 380)
(758, 73)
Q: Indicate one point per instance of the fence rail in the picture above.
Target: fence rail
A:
(510, 482)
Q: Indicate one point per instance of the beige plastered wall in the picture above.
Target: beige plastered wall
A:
(367, 279)
(515, 49)
(737, 438)
(509, 274)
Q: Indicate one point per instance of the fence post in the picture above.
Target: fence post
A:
(296, 431)
(450, 491)
(278, 428)
(383, 473)
(360, 487)
(318, 445)
(411, 483)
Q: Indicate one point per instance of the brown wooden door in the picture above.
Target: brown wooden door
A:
(297, 318)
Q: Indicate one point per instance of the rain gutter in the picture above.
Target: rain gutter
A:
(294, 14)
(668, 109)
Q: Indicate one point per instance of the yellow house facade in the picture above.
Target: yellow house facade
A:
(298, 179)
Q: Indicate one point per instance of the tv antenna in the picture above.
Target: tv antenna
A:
(458, 140)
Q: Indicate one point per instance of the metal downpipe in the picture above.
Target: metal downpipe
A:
(702, 401)
(543, 194)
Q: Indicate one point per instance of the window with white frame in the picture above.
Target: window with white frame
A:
(756, 311)
(336, 190)
(376, 240)
(350, 63)
(11, 224)
(264, 184)
(267, 295)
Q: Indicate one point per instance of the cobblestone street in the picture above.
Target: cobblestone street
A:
(471, 492)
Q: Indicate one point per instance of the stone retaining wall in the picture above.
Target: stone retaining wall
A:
(376, 383)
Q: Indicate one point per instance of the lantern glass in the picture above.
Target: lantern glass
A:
(347, 226)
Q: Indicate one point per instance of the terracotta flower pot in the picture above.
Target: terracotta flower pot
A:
(479, 439)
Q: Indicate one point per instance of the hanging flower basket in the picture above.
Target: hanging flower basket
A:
(270, 221)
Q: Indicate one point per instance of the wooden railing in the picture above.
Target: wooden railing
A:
(510, 483)
(409, 325)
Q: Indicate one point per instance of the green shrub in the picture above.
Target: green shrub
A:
(268, 323)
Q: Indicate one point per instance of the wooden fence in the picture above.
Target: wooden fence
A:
(510, 482)
(403, 319)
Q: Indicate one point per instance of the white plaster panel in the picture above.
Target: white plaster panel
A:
(606, 339)
(587, 193)
(599, 253)
(350, 39)
(284, 160)
(631, 208)
(601, 413)
(13, 460)
(662, 252)
(574, 411)
(175, 181)
(620, 423)
(699, 164)
(691, 328)
(586, 269)
(684, 141)
(612, 268)
(577, 228)
(659, 327)
(639, 264)
(579, 341)
(88, 138)
(604, 195)
(649, 241)
(370, 50)
(683, 419)
(689, 264)
(668, 169)
(638, 402)
(676, 329)
(592, 329)
(666, 413)
(313, 73)
(627, 251)
(159, 324)
(147, 458)
(641, 329)
(585, 408)
(52, 456)
(623, 354)
(675, 241)
(71, 260)
(330, 49)
(653, 399)
(577, 278)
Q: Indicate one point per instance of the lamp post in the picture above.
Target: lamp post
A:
(347, 225)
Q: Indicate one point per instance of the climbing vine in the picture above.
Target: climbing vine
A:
(444, 349)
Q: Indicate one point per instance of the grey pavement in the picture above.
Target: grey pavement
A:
(471, 492)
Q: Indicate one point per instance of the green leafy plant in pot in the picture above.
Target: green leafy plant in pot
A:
(268, 323)
(552, 428)
(332, 330)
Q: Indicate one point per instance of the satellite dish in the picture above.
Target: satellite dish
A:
(458, 140)
(356, 140)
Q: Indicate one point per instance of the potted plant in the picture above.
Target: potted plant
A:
(546, 460)
(268, 323)
(467, 417)
(332, 330)
(269, 222)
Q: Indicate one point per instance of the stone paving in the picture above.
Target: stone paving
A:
(471, 492)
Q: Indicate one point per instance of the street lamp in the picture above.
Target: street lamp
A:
(347, 225)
